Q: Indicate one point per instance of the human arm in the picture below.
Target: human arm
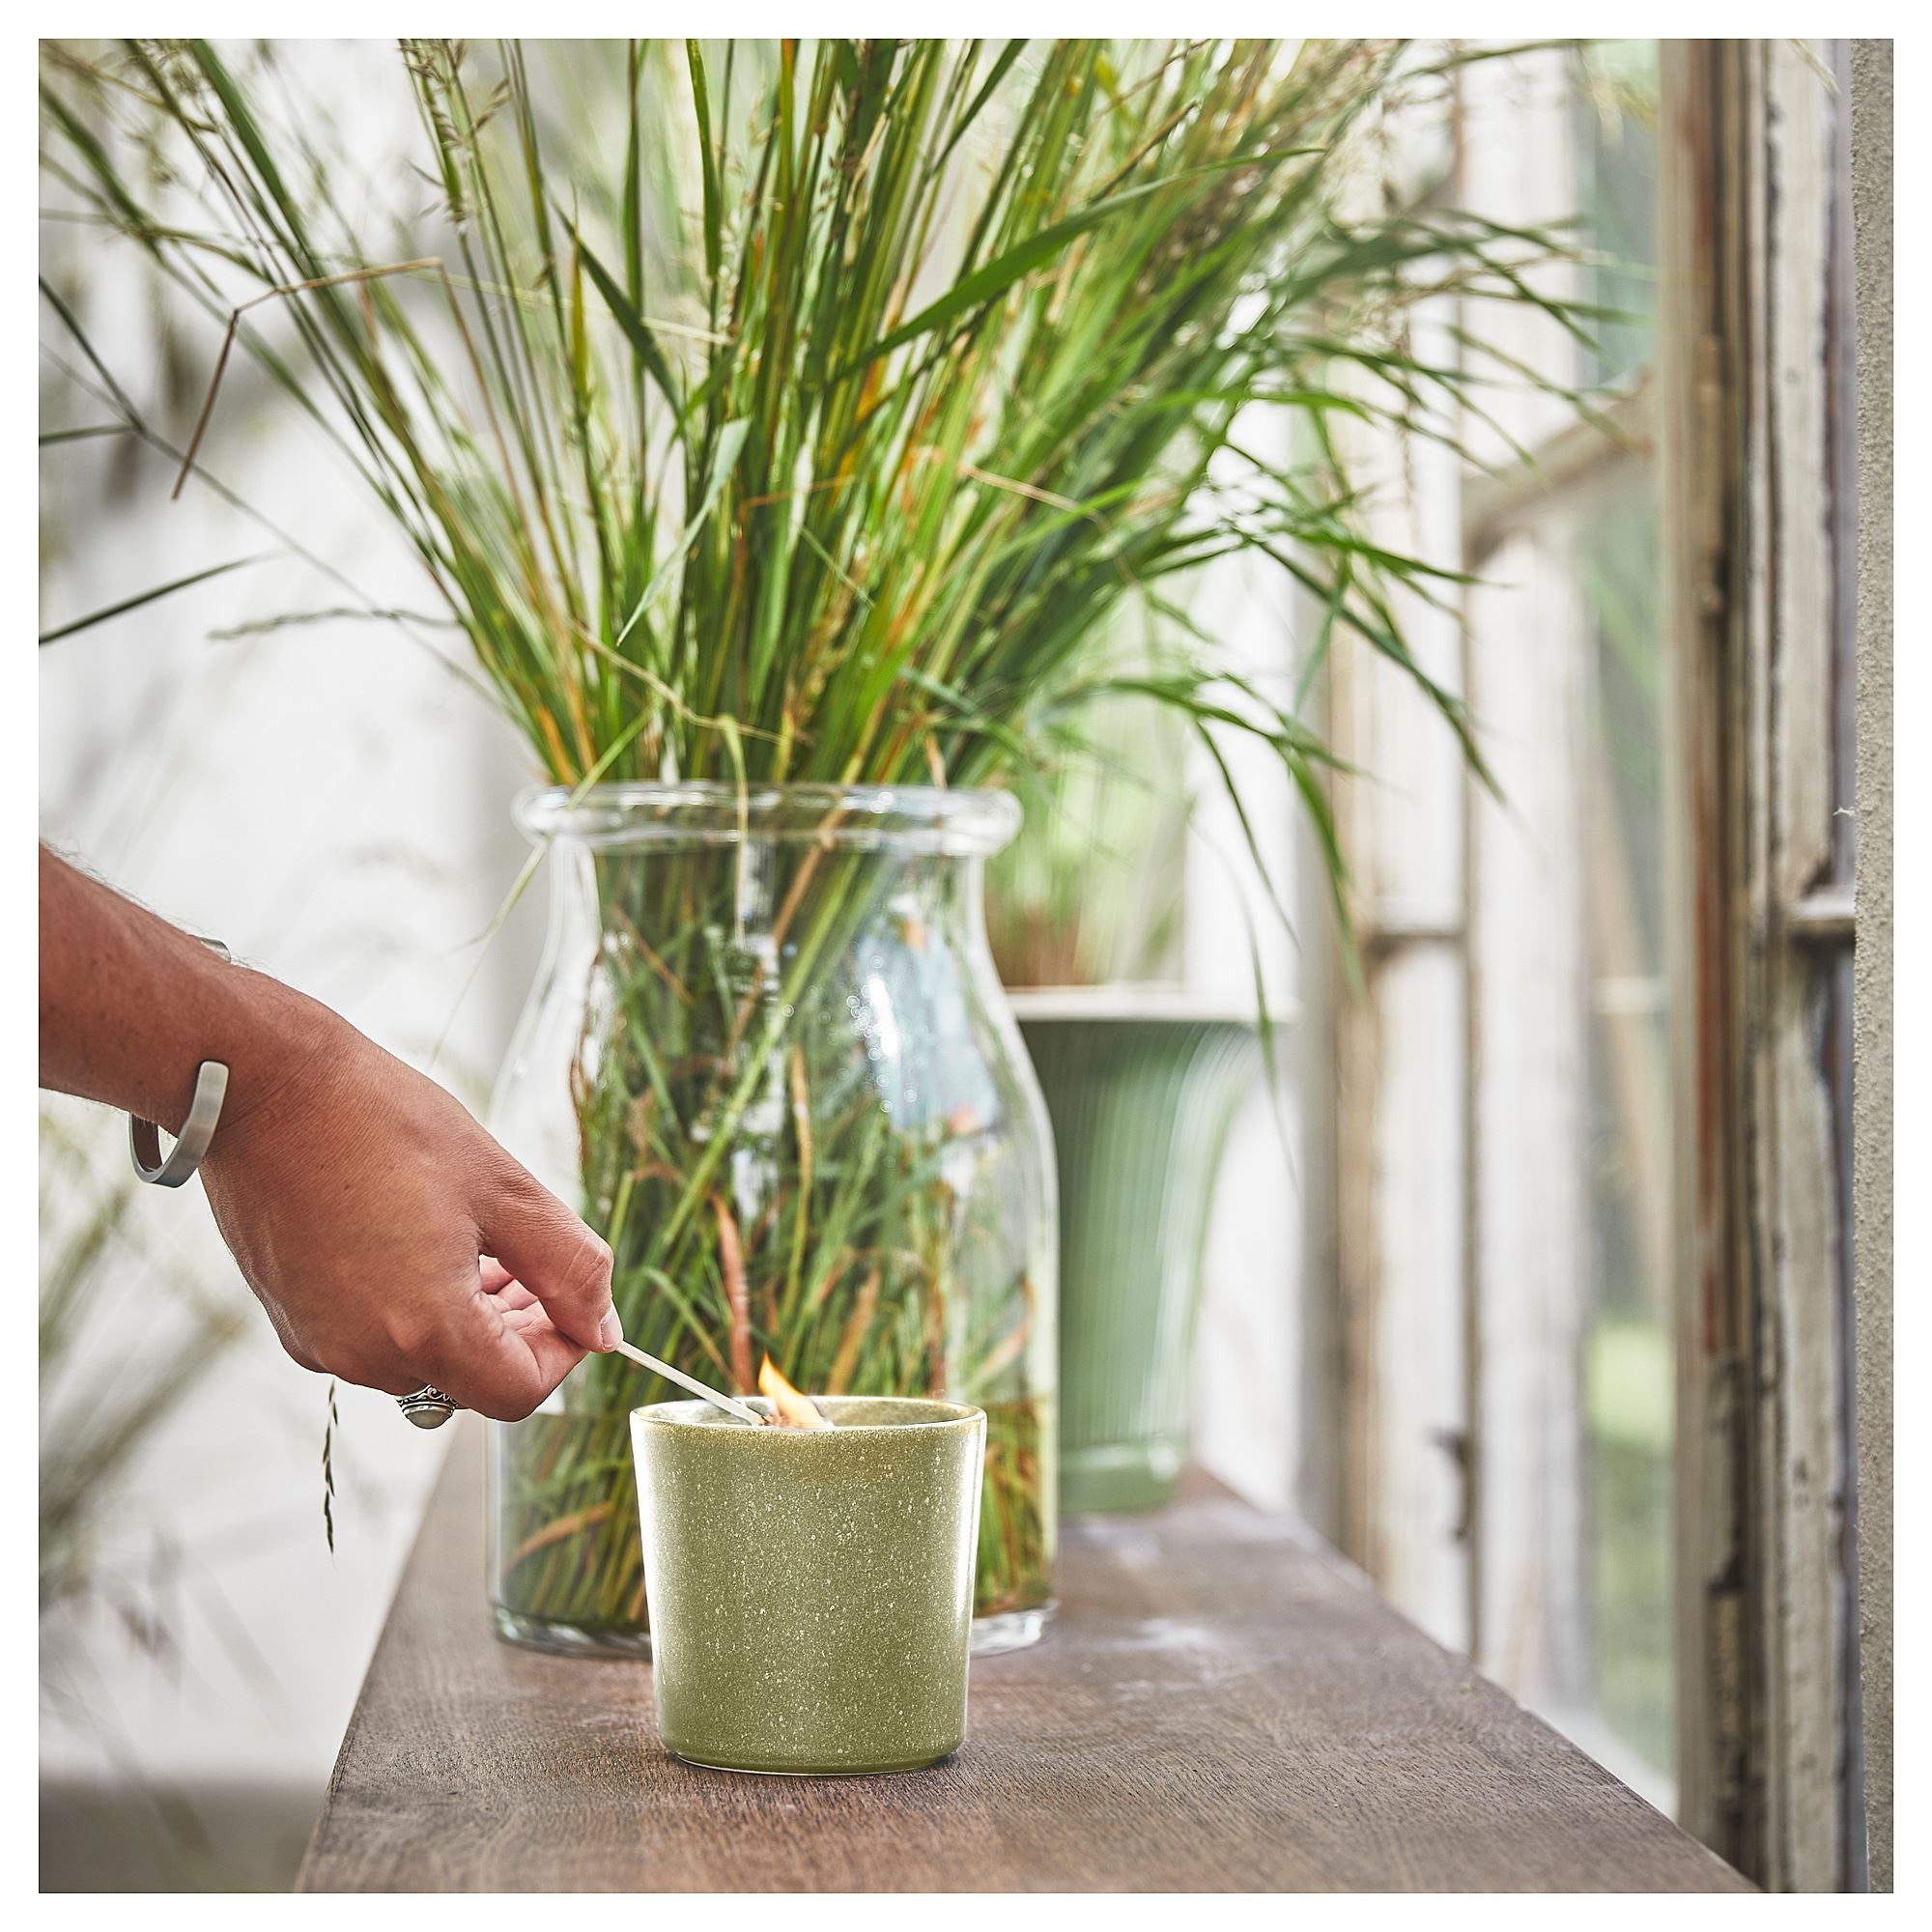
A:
(363, 1203)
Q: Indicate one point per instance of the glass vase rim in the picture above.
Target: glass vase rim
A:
(962, 822)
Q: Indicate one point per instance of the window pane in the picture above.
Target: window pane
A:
(1616, 142)
(1577, 1384)
(1629, 1384)
(1627, 1371)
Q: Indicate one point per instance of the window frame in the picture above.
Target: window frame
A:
(1750, 411)
(1755, 418)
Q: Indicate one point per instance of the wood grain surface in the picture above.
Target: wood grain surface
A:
(1222, 1704)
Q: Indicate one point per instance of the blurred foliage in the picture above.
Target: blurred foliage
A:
(169, 1330)
(1092, 891)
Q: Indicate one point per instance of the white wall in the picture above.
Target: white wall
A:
(335, 805)
(1249, 1364)
(331, 802)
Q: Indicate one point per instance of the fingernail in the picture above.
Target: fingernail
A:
(612, 1331)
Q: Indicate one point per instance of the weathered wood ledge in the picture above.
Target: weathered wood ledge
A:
(1221, 1704)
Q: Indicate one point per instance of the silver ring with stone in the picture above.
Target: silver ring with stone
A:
(428, 1408)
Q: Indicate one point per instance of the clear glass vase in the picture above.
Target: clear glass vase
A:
(768, 1058)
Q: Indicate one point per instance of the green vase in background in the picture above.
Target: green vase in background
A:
(1142, 1087)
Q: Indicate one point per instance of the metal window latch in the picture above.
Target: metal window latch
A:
(144, 1137)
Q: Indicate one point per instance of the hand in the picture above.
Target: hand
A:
(392, 1241)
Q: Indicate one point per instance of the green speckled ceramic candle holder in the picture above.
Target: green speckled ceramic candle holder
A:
(811, 1590)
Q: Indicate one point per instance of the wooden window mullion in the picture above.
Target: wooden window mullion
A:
(1750, 469)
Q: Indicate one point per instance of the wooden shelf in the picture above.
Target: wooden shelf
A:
(1221, 1704)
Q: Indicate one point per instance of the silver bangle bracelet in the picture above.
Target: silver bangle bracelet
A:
(144, 1138)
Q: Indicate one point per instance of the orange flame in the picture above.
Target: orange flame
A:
(789, 1408)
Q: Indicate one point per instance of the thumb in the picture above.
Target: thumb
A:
(547, 1248)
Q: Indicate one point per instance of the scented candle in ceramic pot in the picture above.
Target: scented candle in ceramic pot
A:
(810, 1589)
